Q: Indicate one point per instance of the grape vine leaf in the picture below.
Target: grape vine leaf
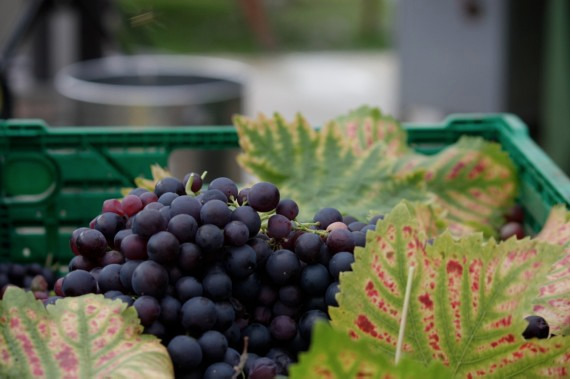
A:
(468, 302)
(333, 354)
(86, 336)
(366, 126)
(319, 168)
(553, 302)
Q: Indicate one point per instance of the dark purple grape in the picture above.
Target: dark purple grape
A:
(348, 219)
(148, 198)
(233, 336)
(209, 238)
(340, 262)
(262, 249)
(111, 257)
(249, 217)
(243, 193)
(537, 328)
(215, 212)
(74, 239)
(251, 358)
(232, 357)
(119, 236)
(148, 222)
(247, 290)
(134, 247)
(240, 262)
(263, 368)
(340, 240)
(314, 280)
(267, 295)
(327, 216)
(259, 338)
(374, 220)
(212, 194)
(79, 262)
(148, 309)
(290, 240)
(126, 273)
(368, 227)
(307, 247)
(170, 308)
(225, 315)
(217, 286)
(169, 185)
(167, 198)
(183, 226)
(126, 299)
(137, 191)
(278, 227)
(287, 208)
(188, 287)
(165, 213)
(308, 320)
(330, 294)
(175, 273)
(91, 244)
(78, 282)
(156, 329)
(316, 302)
(356, 226)
(263, 197)
(188, 205)
(95, 273)
(359, 238)
(262, 315)
(219, 370)
(189, 259)
(297, 344)
(283, 328)
(185, 352)
(198, 314)
(109, 279)
(196, 181)
(290, 295)
(283, 267)
(157, 206)
(225, 185)
(163, 248)
(109, 224)
(282, 359)
(150, 278)
(236, 233)
(281, 309)
(214, 345)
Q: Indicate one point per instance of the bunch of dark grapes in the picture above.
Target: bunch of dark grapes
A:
(33, 277)
(206, 268)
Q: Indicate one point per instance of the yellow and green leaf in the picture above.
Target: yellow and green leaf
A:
(77, 337)
(468, 302)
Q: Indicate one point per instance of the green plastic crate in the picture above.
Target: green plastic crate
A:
(53, 180)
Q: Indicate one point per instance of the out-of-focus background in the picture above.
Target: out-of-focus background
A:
(198, 62)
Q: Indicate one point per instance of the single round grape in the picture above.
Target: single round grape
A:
(163, 248)
(157, 206)
(368, 227)
(196, 181)
(278, 227)
(283, 328)
(356, 226)
(314, 279)
(119, 236)
(169, 184)
(131, 204)
(232, 357)
(236, 233)
(134, 247)
(359, 238)
(307, 247)
(225, 315)
(74, 238)
(327, 216)
(189, 259)
(78, 282)
(282, 267)
(330, 294)
(209, 238)
(263, 197)
(79, 262)
(186, 205)
(243, 193)
(308, 320)
(198, 314)
(212, 194)
(214, 345)
(126, 273)
(148, 198)
(126, 299)
(290, 240)
(267, 295)
(109, 279)
(340, 240)
(167, 198)
(170, 308)
(148, 222)
(537, 328)
(217, 286)
(287, 208)
(156, 329)
(263, 368)
(185, 352)
(249, 217)
(150, 278)
(259, 338)
(262, 315)
(282, 359)
(111, 257)
(262, 250)
(340, 262)
(148, 309)
(227, 186)
(240, 262)
(290, 295)
(336, 225)
(109, 224)
(219, 370)
(233, 336)
(183, 226)
(215, 212)
(374, 220)
(58, 290)
(251, 358)
(165, 213)
(188, 287)
(91, 243)
(511, 229)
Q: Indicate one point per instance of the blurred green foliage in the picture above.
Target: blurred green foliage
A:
(222, 26)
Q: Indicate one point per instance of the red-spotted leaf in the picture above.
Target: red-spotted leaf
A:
(553, 302)
(366, 126)
(333, 354)
(473, 179)
(318, 168)
(79, 337)
(468, 302)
